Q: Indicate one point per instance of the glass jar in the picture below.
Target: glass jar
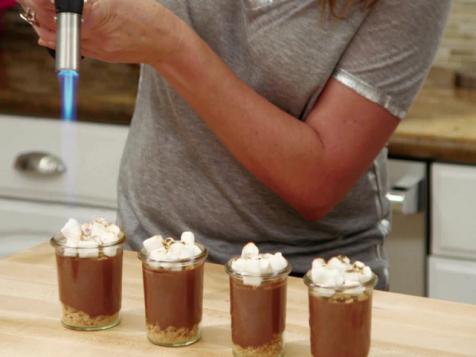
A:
(340, 318)
(258, 312)
(89, 284)
(173, 294)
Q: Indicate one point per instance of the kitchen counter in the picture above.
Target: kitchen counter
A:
(440, 126)
(30, 311)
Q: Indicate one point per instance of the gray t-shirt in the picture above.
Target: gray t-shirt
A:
(176, 175)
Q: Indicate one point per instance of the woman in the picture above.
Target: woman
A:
(261, 120)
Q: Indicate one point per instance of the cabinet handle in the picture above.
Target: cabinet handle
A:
(407, 195)
(39, 164)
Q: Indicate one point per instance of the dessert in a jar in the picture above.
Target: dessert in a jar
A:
(89, 266)
(340, 307)
(258, 285)
(173, 289)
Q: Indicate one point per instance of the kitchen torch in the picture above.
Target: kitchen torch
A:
(68, 52)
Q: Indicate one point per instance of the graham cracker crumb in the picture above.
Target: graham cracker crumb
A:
(80, 319)
(272, 349)
(172, 335)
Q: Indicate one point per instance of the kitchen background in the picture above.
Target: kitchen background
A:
(52, 170)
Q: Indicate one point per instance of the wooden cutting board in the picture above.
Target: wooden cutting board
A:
(30, 311)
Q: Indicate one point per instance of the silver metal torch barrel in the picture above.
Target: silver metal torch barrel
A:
(68, 53)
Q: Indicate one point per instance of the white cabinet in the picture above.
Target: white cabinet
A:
(453, 211)
(34, 206)
(452, 264)
(452, 279)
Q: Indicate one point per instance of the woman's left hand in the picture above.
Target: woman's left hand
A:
(124, 31)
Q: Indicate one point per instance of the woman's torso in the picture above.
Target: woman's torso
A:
(177, 176)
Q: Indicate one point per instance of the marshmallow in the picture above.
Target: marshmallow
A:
(87, 244)
(338, 273)
(325, 292)
(70, 252)
(238, 265)
(359, 290)
(187, 238)
(250, 250)
(87, 239)
(112, 228)
(98, 230)
(88, 253)
(337, 264)
(253, 265)
(71, 230)
(265, 266)
(252, 280)
(318, 263)
(153, 243)
(278, 262)
(366, 274)
(110, 251)
(88, 249)
(168, 251)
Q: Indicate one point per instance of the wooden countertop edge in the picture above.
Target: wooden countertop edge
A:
(418, 147)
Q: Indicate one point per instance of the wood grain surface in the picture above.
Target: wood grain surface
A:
(30, 311)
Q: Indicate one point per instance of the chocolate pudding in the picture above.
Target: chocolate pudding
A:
(340, 327)
(172, 273)
(90, 286)
(258, 316)
(173, 303)
(340, 307)
(258, 284)
(89, 265)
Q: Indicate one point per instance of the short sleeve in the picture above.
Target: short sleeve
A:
(391, 53)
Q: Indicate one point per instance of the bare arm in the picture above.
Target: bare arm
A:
(312, 164)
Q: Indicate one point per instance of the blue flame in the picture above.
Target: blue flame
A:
(68, 85)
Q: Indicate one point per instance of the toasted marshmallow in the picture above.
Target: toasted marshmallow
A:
(163, 253)
(253, 265)
(89, 237)
(153, 243)
(339, 274)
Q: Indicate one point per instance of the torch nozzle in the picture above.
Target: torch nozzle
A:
(69, 17)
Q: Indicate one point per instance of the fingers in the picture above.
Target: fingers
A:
(96, 15)
(46, 19)
(47, 36)
(47, 44)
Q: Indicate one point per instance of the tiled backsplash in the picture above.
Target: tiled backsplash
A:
(458, 48)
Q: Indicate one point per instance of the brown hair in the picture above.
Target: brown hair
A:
(341, 11)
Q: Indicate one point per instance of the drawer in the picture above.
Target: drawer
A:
(90, 152)
(452, 279)
(453, 223)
